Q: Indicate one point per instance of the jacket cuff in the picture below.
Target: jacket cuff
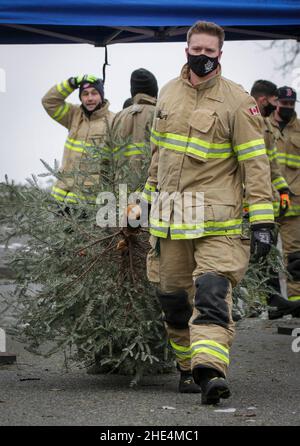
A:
(260, 213)
(280, 183)
(64, 88)
(148, 192)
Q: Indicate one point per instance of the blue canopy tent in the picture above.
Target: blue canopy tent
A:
(104, 22)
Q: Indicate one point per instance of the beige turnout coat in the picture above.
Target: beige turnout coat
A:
(131, 128)
(288, 156)
(202, 135)
(86, 135)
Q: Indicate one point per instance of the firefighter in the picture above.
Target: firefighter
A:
(88, 126)
(132, 125)
(205, 128)
(286, 126)
(265, 94)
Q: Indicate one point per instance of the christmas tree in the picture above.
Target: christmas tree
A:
(82, 286)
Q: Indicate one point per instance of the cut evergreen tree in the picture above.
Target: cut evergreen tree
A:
(81, 286)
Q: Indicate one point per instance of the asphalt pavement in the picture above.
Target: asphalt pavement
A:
(264, 379)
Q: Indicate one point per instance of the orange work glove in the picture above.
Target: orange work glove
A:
(284, 202)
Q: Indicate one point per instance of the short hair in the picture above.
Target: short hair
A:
(263, 88)
(207, 28)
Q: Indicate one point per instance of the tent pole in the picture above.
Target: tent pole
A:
(50, 33)
(105, 64)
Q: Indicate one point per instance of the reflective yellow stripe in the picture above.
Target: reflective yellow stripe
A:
(205, 233)
(279, 183)
(158, 233)
(61, 111)
(70, 197)
(180, 351)
(74, 148)
(294, 298)
(250, 149)
(294, 211)
(133, 152)
(57, 197)
(130, 149)
(272, 153)
(209, 351)
(217, 224)
(147, 197)
(186, 231)
(64, 88)
(211, 348)
(276, 208)
(193, 145)
(78, 145)
(160, 223)
(78, 142)
(59, 191)
(288, 159)
(260, 212)
(81, 197)
(149, 187)
(147, 192)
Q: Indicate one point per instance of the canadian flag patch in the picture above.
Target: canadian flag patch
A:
(254, 110)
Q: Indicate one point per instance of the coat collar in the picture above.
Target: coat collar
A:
(212, 85)
(142, 98)
(291, 123)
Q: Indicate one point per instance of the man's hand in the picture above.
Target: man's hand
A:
(132, 218)
(261, 240)
(77, 80)
(284, 201)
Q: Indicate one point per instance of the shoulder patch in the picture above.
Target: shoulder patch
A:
(254, 110)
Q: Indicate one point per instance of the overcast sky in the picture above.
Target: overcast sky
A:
(28, 71)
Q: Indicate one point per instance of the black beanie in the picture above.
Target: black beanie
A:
(143, 81)
(98, 85)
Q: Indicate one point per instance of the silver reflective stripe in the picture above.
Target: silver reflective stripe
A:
(261, 212)
(174, 142)
(250, 149)
(205, 229)
(210, 347)
(159, 228)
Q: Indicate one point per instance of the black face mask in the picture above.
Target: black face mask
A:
(286, 113)
(268, 109)
(202, 65)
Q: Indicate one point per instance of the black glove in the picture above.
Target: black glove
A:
(75, 81)
(261, 240)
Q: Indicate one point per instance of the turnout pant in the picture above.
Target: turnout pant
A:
(290, 236)
(196, 279)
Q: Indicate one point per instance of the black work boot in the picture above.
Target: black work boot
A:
(282, 307)
(213, 385)
(187, 384)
